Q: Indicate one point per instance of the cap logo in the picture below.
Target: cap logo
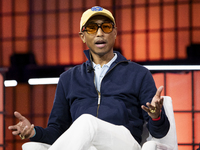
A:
(96, 8)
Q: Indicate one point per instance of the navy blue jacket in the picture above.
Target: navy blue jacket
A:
(125, 87)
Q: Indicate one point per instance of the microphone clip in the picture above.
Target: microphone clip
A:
(90, 69)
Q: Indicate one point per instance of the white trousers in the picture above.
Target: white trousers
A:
(91, 133)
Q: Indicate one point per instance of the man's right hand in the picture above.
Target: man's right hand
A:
(24, 128)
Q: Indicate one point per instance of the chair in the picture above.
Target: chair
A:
(169, 142)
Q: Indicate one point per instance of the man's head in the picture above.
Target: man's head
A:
(94, 11)
(98, 30)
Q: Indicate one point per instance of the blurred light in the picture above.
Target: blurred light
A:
(173, 67)
(10, 83)
(54, 80)
(39, 81)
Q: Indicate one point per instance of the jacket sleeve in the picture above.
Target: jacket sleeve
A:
(59, 120)
(159, 128)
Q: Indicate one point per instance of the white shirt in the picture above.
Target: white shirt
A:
(101, 71)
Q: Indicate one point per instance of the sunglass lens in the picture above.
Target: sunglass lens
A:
(107, 27)
(92, 28)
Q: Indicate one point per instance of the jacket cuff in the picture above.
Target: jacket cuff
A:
(37, 134)
(157, 119)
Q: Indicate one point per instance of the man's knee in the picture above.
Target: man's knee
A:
(86, 123)
(86, 119)
(149, 145)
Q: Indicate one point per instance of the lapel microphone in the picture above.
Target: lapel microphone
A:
(89, 69)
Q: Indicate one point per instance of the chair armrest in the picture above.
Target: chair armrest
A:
(153, 145)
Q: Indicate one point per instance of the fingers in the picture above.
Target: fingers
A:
(23, 128)
(16, 132)
(153, 111)
(19, 116)
(150, 108)
(15, 129)
(145, 108)
(159, 90)
(158, 103)
(161, 101)
(27, 132)
(157, 97)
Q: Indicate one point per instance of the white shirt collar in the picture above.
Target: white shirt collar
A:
(108, 64)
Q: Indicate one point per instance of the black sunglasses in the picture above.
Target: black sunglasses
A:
(92, 28)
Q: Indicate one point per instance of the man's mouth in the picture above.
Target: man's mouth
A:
(100, 44)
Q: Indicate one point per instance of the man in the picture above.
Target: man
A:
(100, 104)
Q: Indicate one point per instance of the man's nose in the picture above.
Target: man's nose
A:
(99, 32)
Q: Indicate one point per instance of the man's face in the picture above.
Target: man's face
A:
(99, 43)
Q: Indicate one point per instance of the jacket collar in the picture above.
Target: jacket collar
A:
(120, 57)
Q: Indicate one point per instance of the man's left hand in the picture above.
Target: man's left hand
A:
(154, 108)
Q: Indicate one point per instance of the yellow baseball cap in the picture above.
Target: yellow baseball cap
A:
(96, 10)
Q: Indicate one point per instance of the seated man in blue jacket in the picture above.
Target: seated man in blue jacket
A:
(102, 103)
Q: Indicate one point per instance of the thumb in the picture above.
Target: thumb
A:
(19, 116)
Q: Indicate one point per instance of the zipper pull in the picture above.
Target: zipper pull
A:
(99, 98)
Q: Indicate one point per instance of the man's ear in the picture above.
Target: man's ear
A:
(115, 30)
(82, 36)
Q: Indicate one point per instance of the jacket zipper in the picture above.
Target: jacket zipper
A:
(99, 99)
(99, 93)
